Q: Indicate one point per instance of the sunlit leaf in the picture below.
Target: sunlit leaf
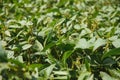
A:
(77, 27)
(82, 43)
(20, 59)
(7, 33)
(116, 43)
(99, 42)
(60, 72)
(49, 69)
(39, 45)
(105, 76)
(83, 75)
(26, 46)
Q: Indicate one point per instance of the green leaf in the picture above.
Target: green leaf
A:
(83, 75)
(116, 43)
(20, 59)
(99, 42)
(61, 78)
(60, 72)
(115, 73)
(109, 61)
(10, 54)
(82, 43)
(62, 2)
(49, 70)
(53, 43)
(105, 76)
(77, 27)
(3, 43)
(27, 75)
(39, 45)
(60, 22)
(87, 64)
(66, 55)
(7, 32)
(51, 59)
(73, 17)
(44, 31)
(26, 46)
(91, 77)
(17, 63)
(3, 55)
(14, 26)
(113, 52)
(39, 66)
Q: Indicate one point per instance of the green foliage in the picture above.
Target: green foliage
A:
(59, 39)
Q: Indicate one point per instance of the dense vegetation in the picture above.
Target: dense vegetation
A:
(59, 40)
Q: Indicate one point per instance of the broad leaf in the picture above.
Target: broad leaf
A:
(26, 46)
(99, 42)
(83, 75)
(82, 43)
(105, 76)
(116, 43)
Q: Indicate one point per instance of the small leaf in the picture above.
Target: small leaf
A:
(26, 46)
(53, 43)
(3, 55)
(60, 22)
(39, 66)
(82, 43)
(17, 63)
(20, 59)
(77, 27)
(83, 75)
(10, 54)
(74, 17)
(3, 43)
(39, 45)
(99, 42)
(61, 78)
(90, 77)
(109, 61)
(87, 64)
(115, 73)
(60, 72)
(27, 75)
(14, 26)
(49, 69)
(7, 33)
(113, 38)
(66, 56)
(116, 43)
